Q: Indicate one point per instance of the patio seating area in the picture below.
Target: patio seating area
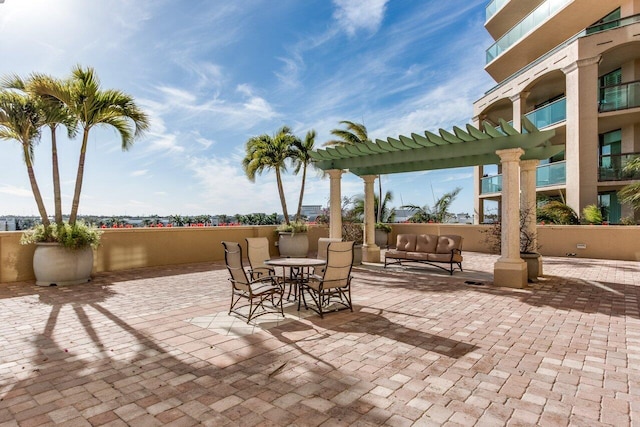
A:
(156, 346)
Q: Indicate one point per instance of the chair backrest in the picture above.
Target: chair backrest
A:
(338, 268)
(323, 245)
(258, 251)
(233, 259)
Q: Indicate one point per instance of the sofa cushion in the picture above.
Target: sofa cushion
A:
(418, 256)
(426, 243)
(406, 242)
(447, 243)
(395, 254)
(444, 258)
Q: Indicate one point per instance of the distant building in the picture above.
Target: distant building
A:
(311, 211)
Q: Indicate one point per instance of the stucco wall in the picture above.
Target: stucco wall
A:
(124, 249)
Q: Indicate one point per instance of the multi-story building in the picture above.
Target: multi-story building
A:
(572, 66)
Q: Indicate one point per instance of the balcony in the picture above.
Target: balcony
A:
(491, 184)
(493, 7)
(550, 114)
(620, 97)
(535, 18)
(546, 175)
(551, 174)
(612, 167)
(613, 24)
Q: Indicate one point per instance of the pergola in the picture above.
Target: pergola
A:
(518, 153)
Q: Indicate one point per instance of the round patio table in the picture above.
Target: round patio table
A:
(298, 270)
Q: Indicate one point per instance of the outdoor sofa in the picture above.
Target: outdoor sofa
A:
(428, 249)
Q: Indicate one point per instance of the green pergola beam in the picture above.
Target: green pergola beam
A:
(461, 148)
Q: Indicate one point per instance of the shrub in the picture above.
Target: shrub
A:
(77, 236)
(591, 214)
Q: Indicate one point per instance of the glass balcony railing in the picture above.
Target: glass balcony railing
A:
(493, 7)
(491, 184)
(613, 24)
(620, 97)
(551, 174)
(612, 167)
(528, 23)
(546, 175)
(549, 114)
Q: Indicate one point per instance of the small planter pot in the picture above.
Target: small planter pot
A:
(293, 244)
(532, 260)
(357, 255)
(55, 265)
(381, 238)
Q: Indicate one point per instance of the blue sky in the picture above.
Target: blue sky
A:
(212, 74)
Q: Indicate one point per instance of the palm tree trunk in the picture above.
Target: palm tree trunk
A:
(57, 198)
(76, 194)
(283, 201)
(304, 177)
(35, 189)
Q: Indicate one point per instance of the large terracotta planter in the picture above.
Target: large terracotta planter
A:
(55, 265)
(293, 244)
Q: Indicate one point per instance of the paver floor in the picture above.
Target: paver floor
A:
(156, 347)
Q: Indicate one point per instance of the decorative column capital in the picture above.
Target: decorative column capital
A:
(510, 154)
(369, 179)
(335, 173)
(529, 165)
(520, 96)
(582, 63)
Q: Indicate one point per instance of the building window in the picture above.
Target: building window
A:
(610, 158)
(610, 207)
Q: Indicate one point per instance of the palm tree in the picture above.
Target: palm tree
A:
(631, 193)
(442, 205)
(386, 213)
(91, 106)
(265, 152)
(21, 120)
(355, 133)
(301, 160)
(439, 211)
(53, 114)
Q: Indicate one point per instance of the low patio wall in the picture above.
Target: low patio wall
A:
(123, 249)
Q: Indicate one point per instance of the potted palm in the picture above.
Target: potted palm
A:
(292, 239)
(382, 233)
(266, 152)
(64, 252)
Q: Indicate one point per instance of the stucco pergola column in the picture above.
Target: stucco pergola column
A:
(528, 196)
(335, 203)
(582, 132)
(370, 251)
(510, 270)
(528, 170)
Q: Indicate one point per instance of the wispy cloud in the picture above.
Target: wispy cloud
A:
(140, 172)
(15, 191)
(353, 15)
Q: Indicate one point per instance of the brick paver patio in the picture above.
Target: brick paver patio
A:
(156, 347)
